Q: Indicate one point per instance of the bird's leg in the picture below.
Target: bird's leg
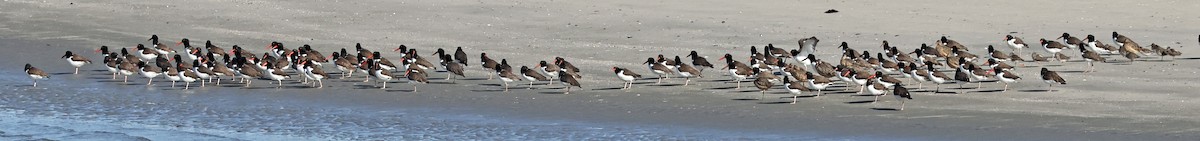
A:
(187, 85)
(764, 95)
(568, 90)
(77, 69)
(34, 82)
(901, 105)
(150, 81)
(384, 85)
(739, 84)
(1005, 88)
(686, 80)
(794, 97)
(414, 87)
(448, 76)
(530, 85)
(506, 86)
(660, 79)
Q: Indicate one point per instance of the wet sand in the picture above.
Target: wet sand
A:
(1147, 100)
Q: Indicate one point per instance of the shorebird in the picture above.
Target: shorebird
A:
(737, 70)
(952, 44)
(453, 68)
(993, 63)
(962, 77)
(1005, 77)
(315, 73)
(76, 60)
(504, 71)
(876, 89)
(627, 76)
(808, 46)
(381, 75)
(346, 65)
(416, 76)
(461, 56)
(127, 68)
(817, 82)
(885, 80)
(1016, 58)
(1015, 43)
(918, 75)
(568, 80)
(763, 83)
(159, 47)
(901, 94)
(551, 70)
(1070, 41)
(402, 49)
(567, 67)
(967, 56)
(1051, 77)
(1169, 52)
(532, 76)
(149, 72)
(998, 55)
(188, 76)
(1091, 56)
(686, 71)
(699, 61)
(857, 77)
(658, 68)
(203, 72)
(1091, 43)
(663, 61)
(172, 74)
(776, 52)
(886, 65)
(1119, 39)
(1132, 56)
(112, 62)
(144, 53)
(276, 73)
(1052, 46)
(214, 49)
(247, 71)
(36, 74)
(193, 53)
(936, 76)
(795, 88)
(488, 64)
(1038, 57)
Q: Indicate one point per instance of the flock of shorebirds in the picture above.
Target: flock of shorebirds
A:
(871, 73)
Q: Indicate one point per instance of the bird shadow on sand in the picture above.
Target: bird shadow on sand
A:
(613, 88)
(777, 102)
(365, 87)
(473, 79)
(842, 92)
(662, 85)
(497, 85)
(746, 91)
(399, 90)
(1189, 58)
(61, 73)
(488, 90)
(442, 83)
(861, 102)
(722, 88)
(945, 92)
(639, 83)
(1036, 91)
(108, 81)
(551, 92)
(720, 80)
(989, 91)
(885, 109)
(744, 99)
(1073, 71)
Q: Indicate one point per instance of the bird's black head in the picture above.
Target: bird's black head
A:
(1008, 37)
(1044, 70)
(69, 54)
(844, 46)
(1090, 38)
(693, 53)
(1115, 34)
(943, 39)
(1065, 35)
(358, 46)
(153, 39)
(28, 66)
(649, 61)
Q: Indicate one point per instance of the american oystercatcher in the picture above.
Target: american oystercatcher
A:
(461, 56)
(187, 76)
(795, 88)
(36, 74)
(1090, 56)
(454, 68)
(532, 76)
(818, 83)
(315, 73)
(568, 80)
(997, 55)
(737, 70)
(763, 83)
(1052, 46)
(173, 74)
(214, 49)
(1070, 41)
(1015, 43)
(159, 47)
(381, 75)
(1006, 77)
(699, 61)
(488, 64)
(1051, 77)
(504, 71)
(76, 60)
(876, 89)
(149, 71)
(627, 76)
(658, 68)
(936, 77)
(686, 71)
(1091, 43)
(901, 94)
(416, 76)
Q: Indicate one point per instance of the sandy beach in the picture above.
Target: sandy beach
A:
(1150, 99)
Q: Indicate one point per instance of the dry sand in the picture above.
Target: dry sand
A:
(1148, 100)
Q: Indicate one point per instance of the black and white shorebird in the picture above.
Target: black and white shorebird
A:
(996, 54)
(659, 69)
(416, 76)
(1091, 43)
(532, 76)
(568, 80)
(686, 71)
(276, 73)
(795, 87)
(737, 70)
(187, 76)
(315, 73)
(76, 60)
(936, 77)
(1070, 41)
(159, 47)
(901, 94)
(1015, 43)
(145, 54)
(699, 61)
(1052, 46)
(1091, 56)
(36, 74)
(504, 71)
(461, 56)
(380, 74)
(626, 76)
(1005, 77)
(149, 71)
(551, 70)
(171, 73)
(817, 82)
(1051, 78)
(112, 63)
(126, 68)
(961, 77)
(1119, 39)
(876, 89)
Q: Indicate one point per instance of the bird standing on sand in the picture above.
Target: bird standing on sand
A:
(36, 74)
(1091, 56)
(1052, 46)
(901, 94)
(795, 88)
(461, 56)
(416, 76)
(658, 68)
(453, 68)
(763, 82)
(1005, 77)
(699, 61)
(149, 71)
(532, 76)
(686, 71)
(1051, 77)
(627, 76)
(1015, 43)
(488, 64)
(568, 80)
(504, 71)
(188, 76)
(817, 82)
(76, 60)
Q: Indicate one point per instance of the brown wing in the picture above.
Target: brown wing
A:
(1051, 75)
(455, 68)
(763, 83)
(251, 71)
(939, 74)
(77, 57)
(37, 71)
(1093, 56)
(890, 79)
(1019, 41)
(821, 79)
(418, 76)
(531, 73)
(1015, 57)
(318, 71)
(689, 69)
(630, 73)
(190, 74)
(1010, 75)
